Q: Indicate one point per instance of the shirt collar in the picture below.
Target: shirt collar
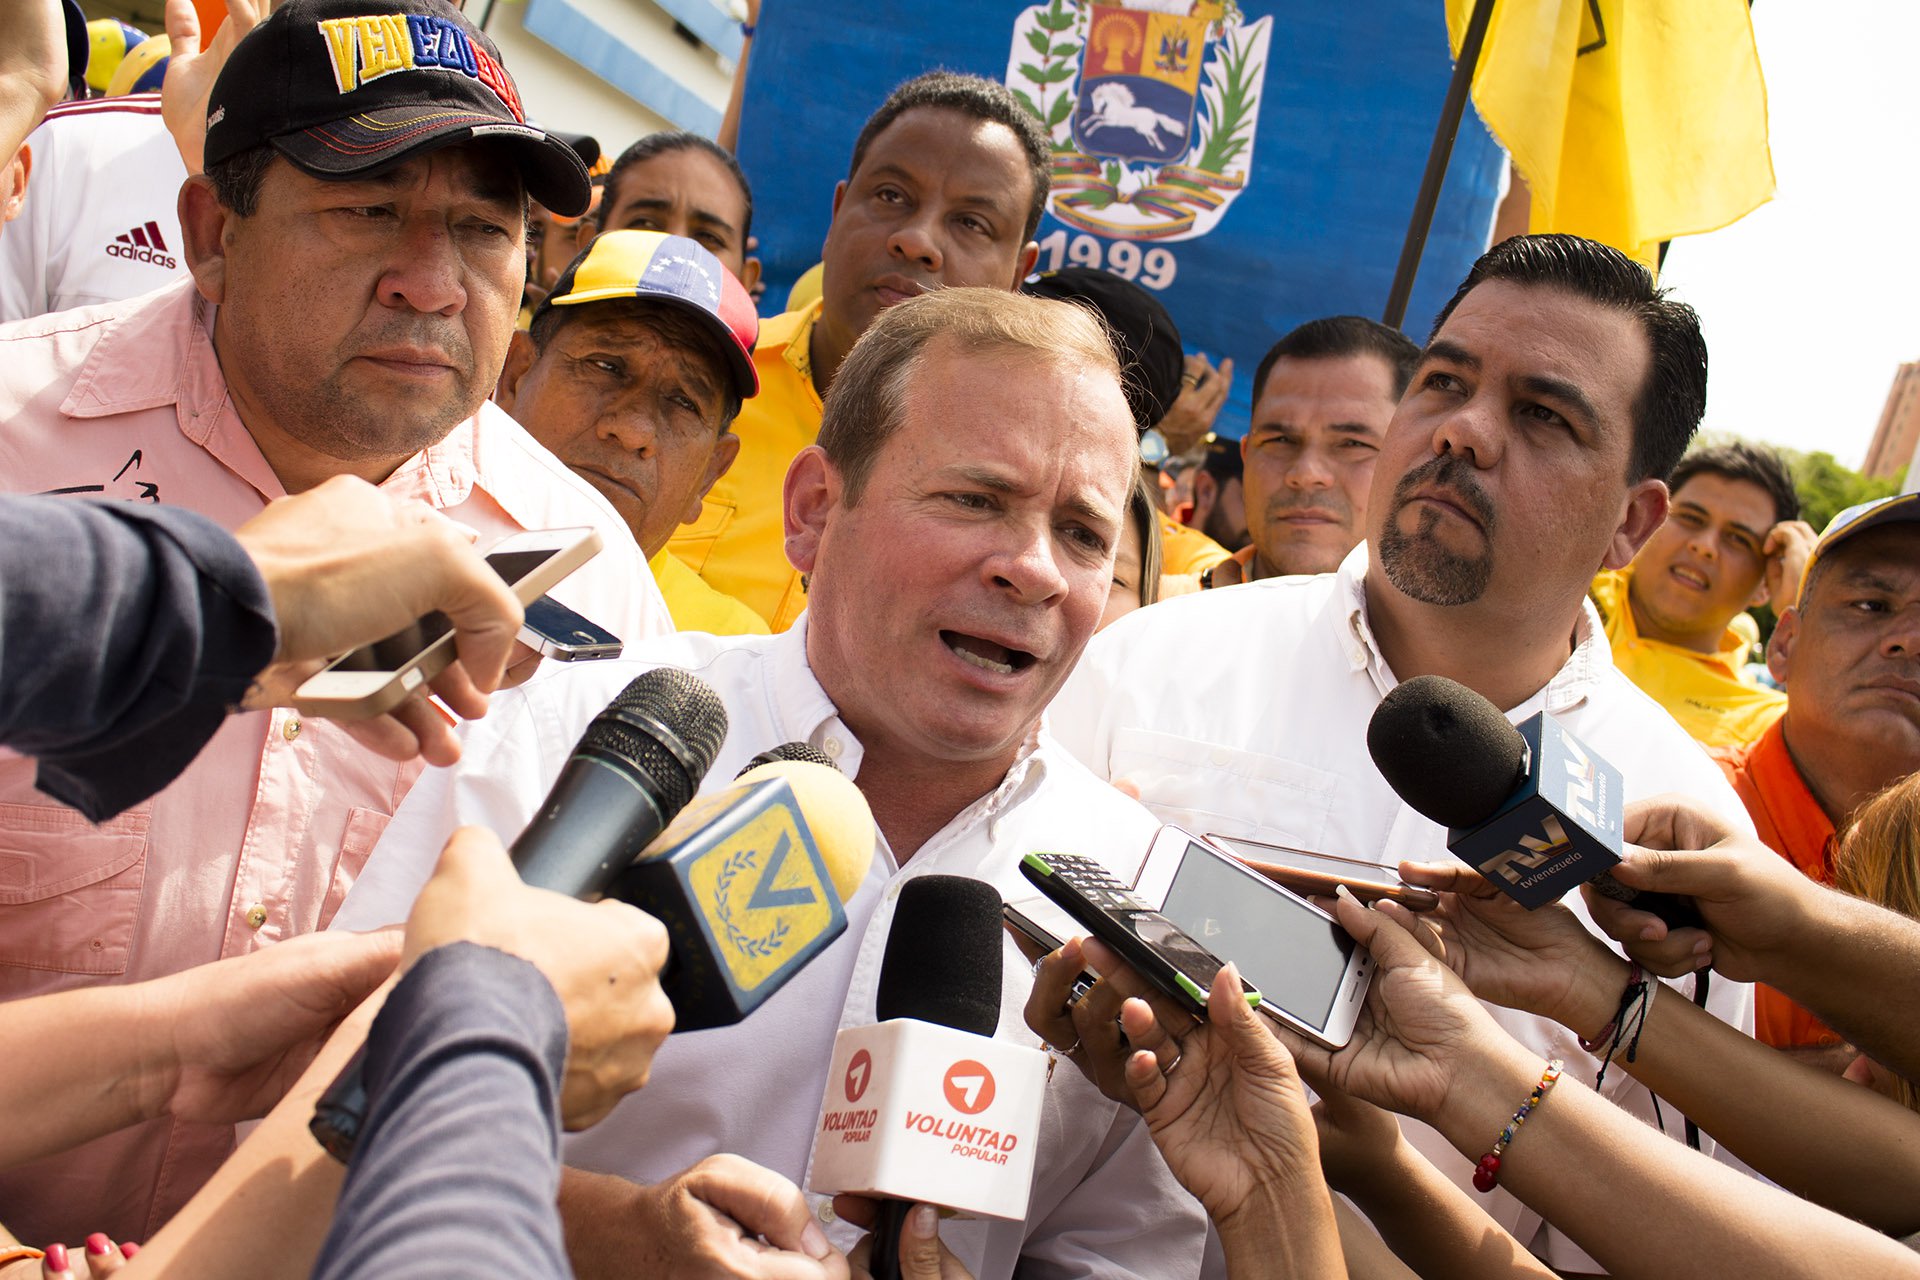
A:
(1729, 657)
(799, 350)
(1571, 685)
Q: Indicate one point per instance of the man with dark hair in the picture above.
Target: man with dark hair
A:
(356, 258)
(1671, 615)
(1507, 472)
(947, 184)
(685, 185)
(1219, 496)
(1322, 399)
(632, 372)
(1847, 651)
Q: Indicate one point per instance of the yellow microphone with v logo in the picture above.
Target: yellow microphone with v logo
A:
(750, 882)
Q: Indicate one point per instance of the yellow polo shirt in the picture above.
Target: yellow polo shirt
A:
(738, 545)
(740, 542)
(695, 606)
(1703, 691)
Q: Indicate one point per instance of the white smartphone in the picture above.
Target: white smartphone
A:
(376, 678)
(1312, 974)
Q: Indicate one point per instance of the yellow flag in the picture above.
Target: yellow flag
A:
(1633, 121)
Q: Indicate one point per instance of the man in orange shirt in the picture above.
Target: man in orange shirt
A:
(1848, 654)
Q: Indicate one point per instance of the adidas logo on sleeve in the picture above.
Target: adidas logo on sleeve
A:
(143, 244)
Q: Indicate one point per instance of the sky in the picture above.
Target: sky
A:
(1812, 301)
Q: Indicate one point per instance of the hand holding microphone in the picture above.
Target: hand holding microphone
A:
(603, 960)
(636, 766)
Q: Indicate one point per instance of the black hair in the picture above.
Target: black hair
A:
(1674, 397)
(1222, 460)
(980, 98)
(237, 179)
(668, 140)
(1336, 337)
(1754, 463)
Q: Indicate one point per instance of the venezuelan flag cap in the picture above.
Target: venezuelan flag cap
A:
(1902, 508)
(348, 88)
(672, 270)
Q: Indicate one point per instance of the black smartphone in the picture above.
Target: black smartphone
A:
(1156, 947)
(554, 631)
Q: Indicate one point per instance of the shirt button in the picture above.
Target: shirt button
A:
(256, 916)
(290, 730)
(825, 1211)
(1218, 756)
(893, 890)
(832, 747)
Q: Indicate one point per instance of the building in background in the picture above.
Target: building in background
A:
(648, 64)
(1897, 438)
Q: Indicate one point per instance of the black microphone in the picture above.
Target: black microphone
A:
(802, 752)
(1532, 807)
(635, 768)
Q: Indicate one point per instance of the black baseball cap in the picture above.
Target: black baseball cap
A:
(347, 88)
(1149, 341)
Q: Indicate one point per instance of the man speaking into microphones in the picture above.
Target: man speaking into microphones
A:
(954, 577)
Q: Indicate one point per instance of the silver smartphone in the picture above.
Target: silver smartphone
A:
(1312, 973)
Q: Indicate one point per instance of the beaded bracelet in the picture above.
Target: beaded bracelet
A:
(1486, 1174)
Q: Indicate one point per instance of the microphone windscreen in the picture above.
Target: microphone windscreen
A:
(1446, 750)
(942, 962)
(666, 724)
(836, 814)
(802, 751)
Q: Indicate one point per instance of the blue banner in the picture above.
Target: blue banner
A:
(1253, 163)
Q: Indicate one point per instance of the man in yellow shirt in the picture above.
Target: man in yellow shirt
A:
(632, 373)
(1732, 539)
(946, 187)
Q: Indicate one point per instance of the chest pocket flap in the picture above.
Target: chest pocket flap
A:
(69, 891)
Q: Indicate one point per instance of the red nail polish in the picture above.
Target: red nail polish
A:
(56, 1257)
(98, 1244)
(128, 1249)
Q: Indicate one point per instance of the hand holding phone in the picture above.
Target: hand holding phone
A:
(374, 679)
(1148, 941)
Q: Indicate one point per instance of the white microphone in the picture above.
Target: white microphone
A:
(925, 1107)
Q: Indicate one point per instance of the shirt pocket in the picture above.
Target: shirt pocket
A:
(1207, 787)
(70, 891)
(693, 543)
(364, 829)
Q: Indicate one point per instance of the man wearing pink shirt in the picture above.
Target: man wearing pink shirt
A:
(356, 255)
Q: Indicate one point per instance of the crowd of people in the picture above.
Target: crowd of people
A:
(388, 320)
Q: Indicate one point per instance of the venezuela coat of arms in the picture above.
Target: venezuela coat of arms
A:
(1151, 107)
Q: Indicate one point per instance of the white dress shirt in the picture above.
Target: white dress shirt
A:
(1260, 732)
(1103, 1204)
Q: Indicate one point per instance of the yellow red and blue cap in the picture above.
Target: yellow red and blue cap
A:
(674, 270)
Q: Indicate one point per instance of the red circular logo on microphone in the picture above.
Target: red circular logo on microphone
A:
(859, 1075)
(969, 1087)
